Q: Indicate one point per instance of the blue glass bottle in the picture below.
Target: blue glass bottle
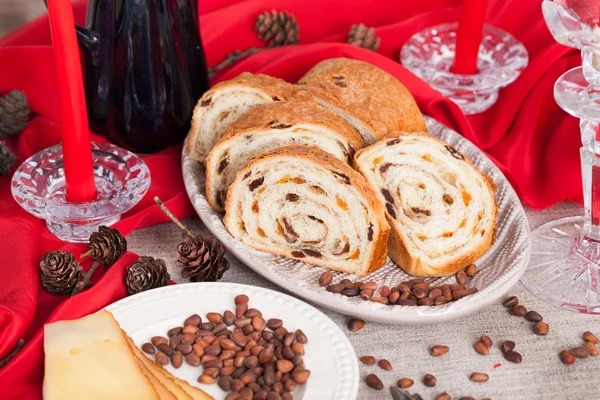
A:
(144, 69)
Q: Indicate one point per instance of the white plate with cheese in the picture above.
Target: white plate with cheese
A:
(329, 354)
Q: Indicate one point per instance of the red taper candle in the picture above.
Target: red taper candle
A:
(468, 36)
(75, 133)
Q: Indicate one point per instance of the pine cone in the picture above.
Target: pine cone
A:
(145, 274)
(107, 245)
(60, 272)
(277, 28)
(7, 159)
(362, 36)
(14, 113)
(202, 259)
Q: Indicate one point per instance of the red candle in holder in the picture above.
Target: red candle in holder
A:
(468, 37)
(75, 135)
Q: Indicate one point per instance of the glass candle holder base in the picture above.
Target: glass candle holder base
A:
(564, 266)
(429, 54)
(78, 233)
(38, 185)
(472, 102)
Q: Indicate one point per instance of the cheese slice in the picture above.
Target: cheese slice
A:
(155, 370)
(163, 392)
(89, 358)
(182, 389)
(196, 393)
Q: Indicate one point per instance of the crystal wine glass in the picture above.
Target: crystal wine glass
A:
(566, 252)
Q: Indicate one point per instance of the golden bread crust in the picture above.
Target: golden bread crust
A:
(292, 113)
(283, 114)
(365, 91)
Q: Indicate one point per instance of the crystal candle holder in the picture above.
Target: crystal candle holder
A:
(429, 54)
(565, 263)
(38, 185)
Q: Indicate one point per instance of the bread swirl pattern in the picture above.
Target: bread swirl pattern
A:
(303, 203)
(271, 126)
(225, 103)
(442, 210)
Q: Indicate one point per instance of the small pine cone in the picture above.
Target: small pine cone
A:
(362, 36)
(7, 159)
(60, 272)
(202, 260)
(107, 245)
(277, 28)
(145, 274)
(14, 113)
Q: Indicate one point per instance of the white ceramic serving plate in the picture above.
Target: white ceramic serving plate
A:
(499, 269)
(329, 355)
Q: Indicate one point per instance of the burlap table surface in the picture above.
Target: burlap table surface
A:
(541, 375)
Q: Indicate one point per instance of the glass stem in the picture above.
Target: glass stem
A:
(590, 172)
(590, 138)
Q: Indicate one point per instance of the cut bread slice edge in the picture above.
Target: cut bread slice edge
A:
(313, 155)
(400, 248)
(225, 103)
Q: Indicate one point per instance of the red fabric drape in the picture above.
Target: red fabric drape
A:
(530, 138)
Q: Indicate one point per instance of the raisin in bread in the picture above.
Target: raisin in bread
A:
(272, 126)
(225, 103)
(441, 209)
(370, 99)
(304, 203)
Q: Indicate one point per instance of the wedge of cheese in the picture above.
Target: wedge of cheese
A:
(181, 389)
(163, 392)
(89, 358)
(159, 373)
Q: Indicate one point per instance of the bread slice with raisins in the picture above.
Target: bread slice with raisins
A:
(225, 103)
(303, 203)
(371, 100)
(441, 208)
(271, 126)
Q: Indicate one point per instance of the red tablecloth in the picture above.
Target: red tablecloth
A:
(533, 141)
